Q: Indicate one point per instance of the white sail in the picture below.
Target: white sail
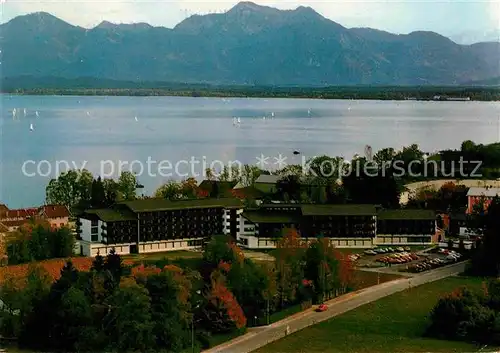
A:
(24, 111)
(36, 113)
(239, 120)
(14, 112)
(136, 119)
(31, 127)
(272, 114)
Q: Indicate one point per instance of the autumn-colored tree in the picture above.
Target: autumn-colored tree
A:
(189, 188)
(323, 267)
(222, 313)
(290, 251)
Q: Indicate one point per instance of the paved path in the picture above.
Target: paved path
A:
(261, 336)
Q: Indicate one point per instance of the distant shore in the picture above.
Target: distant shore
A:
(348, 93)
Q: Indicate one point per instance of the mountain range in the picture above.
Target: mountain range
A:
(249, 45)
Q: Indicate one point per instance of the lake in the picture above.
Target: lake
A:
(96, 131)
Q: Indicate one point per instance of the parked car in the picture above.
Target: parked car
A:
(321, 308)
(400, 249)
(370, 252)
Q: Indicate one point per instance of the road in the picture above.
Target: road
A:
(261, 336)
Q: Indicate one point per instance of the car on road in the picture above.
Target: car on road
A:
(321, 308)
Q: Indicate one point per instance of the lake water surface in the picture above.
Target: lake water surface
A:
(91, 130)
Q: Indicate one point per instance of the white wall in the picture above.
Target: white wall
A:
(84, 229)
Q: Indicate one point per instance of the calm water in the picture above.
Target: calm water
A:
(95, 129)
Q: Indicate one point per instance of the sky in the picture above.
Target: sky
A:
(450, 18)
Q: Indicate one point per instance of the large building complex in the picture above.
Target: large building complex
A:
(155, 225)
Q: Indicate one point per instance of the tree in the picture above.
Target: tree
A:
(486, 261)
(221, 312)
(462, 315)
(189, 188)
(127, 186)
(128, 323)
(326, 168)
(323, 268)
(289, 187)
(111, 192)
(170, 191)
(38, 241)
(71, 189)
(170, 305)
(98, 194)
(384, 156)
(114, 265)
(221, 249)
(290, 252)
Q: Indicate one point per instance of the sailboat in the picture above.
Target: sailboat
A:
(136, 119)
(239, 121)
(14, 112)
(309, 112)
(272, 115)
(31, 127)
(24, 111)
(235, 121)
(36, 113)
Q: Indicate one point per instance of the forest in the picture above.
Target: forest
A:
(28, 85)
(118, 305)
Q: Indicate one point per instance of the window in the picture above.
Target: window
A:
(94, 223)
(94, 237)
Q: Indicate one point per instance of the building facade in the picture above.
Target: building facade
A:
(347, 226)
(156, 225)
(408, 227)
(477, 195)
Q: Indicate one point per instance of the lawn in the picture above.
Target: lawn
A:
(169, 255)
(365, 279)
(393, 324)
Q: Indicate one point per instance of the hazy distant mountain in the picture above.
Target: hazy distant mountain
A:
(472, 37)
(250, 44)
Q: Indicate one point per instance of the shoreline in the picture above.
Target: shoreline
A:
(229, 95)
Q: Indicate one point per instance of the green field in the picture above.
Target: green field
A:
(170, 255)
(392, 324)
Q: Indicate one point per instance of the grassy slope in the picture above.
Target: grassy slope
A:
(392, 324)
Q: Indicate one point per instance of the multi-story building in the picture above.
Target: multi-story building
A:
(155, 225)
(347, 226)
(407, 226)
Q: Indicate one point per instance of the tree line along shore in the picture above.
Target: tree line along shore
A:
(355, 93)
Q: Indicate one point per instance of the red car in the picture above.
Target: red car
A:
(321, 308)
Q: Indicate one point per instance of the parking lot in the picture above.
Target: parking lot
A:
(402, 259)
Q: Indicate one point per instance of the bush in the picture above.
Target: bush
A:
(465, 315)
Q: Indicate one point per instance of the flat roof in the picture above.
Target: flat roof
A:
(488, 192)
(408, 214)
(269, 217)
(339, 210)
(111, 215)
(159, 204)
